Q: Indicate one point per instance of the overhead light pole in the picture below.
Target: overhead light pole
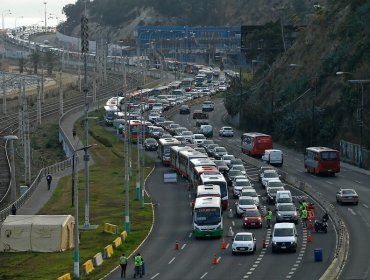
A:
(13, 187)
(45, 17)
(5, 12)
(359, 110)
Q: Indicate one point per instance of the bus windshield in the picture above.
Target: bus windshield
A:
(207, 216)
(329, 155)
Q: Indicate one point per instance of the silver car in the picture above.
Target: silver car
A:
(286, 212)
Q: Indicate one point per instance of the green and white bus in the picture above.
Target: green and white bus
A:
(207, 217)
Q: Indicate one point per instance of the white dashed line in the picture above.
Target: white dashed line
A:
(358, 182)
(352, 211)
(172, 260)
(255, 265)
(218, 259)
(204, 275)
(190, 234)
(154, 276)
(365, 206)
(183, 246)
(249, 272)
(297, 159)
(233, 223)
(330, 183)
(260, 258)
(296, 264)
(252, 268)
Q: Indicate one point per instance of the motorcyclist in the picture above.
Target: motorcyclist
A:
(325, 218)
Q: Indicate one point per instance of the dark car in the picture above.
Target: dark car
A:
(184, 110)
(210, 148)
(218, 152)
(222, 166)
(150, 144)
(231, 175)
(271, 194)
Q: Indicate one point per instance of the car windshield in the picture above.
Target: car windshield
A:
(228, 157)
(199, 137)
(228, 128)
(241, 183)
(271, 175)
(220, 149)
(158, 129)
(233, 173)
(254, 213)
(283, 232)
(246, 201)
(243, 237)
(237, 161)
(151, 141)
(238, 167)
(274, 190)
(212, 146)
(276, 184)
(187, 133)
(286, 207)
(250, 193)
(347, 192)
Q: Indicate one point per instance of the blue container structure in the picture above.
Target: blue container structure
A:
(318, 255)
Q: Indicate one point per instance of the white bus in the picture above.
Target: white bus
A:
(164, 145)
(195, 162)
(184, 161)
(174, 154)
(207, 218)
(219, 179)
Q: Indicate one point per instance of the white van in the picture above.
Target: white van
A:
(284, 197)
(273, 157)
(284, 237)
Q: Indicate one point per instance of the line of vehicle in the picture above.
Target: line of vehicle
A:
(300, 255)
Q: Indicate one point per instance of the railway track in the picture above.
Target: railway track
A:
(50, 109)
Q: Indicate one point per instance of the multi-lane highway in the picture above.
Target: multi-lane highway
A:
(194, 259)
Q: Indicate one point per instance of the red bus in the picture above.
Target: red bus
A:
(136, 130)
(199, 170)
(255, 143)
(322, 160)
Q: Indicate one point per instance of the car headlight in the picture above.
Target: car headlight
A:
(291, 243)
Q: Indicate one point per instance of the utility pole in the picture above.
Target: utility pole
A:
(143, 127)
(20, 111)
(42, 85)
(38, 102)
(60, 94)
(127, 173)
(26, 139)
(4, 95)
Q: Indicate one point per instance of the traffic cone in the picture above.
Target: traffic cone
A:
(214, 259)
(223, 244)
(177, 246)
(310, 227)
(309, 237)
(263, 243)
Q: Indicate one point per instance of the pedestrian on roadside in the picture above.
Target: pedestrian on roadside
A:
(14, 210)
(268, 217)
(123, 264)
(138, 265)
(74, 132)
(48, 180)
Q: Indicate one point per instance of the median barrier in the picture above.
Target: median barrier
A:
(66, 276)
(108, 251)
(110, 228)
(123, 236)
(117, 242)
(98, 259)
(87, 267)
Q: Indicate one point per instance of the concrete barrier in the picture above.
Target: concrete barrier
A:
(110, 228)
(117, 242)
(123, 236)
(87, 267)
(66, 276)
(108, 251)
(98, 259)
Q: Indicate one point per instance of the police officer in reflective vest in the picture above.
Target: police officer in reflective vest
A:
(123, 264)
(138, 264)
(268, 217)
(304, 216)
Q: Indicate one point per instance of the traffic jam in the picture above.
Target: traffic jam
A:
(228, 197)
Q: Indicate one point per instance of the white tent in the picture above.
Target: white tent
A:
(37, 233)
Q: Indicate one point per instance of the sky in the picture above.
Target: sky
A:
(32, 11)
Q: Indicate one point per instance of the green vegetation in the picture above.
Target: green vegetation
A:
(107, 198)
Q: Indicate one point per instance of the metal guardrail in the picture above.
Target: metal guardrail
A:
(52, 169)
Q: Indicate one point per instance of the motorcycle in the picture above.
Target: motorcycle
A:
(322, 225)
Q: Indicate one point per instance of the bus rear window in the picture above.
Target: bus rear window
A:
(328, 155)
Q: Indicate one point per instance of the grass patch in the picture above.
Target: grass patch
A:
(107, 204)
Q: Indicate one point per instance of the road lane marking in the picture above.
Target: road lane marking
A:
(252, 268)
(297, 159)
(190, 234)
(365, 206)
(255, 265)
(218, 259)
(204, 275)
(352, 211)
(296, 264)
(183, 246)
(358, 182)
(155, 275)
(227, 245)
(172, 260)
(233, 223)
(328, 182)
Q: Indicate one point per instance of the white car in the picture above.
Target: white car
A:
(226, 131)
(197, 139)
(251, 192)
(222, 87)
(153, 116)
(239, 167)
(187, 135)
(243, 242)
(268, 175)
(244, 203)
(227, 159)
(239, 184)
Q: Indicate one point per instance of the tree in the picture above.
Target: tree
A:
(35, 58)
(21, 65)
(49, 60)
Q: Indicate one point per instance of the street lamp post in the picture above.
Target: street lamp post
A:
(13, 188)
(15, 21)
(5, 12)
(360, 110)
(45, 17)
